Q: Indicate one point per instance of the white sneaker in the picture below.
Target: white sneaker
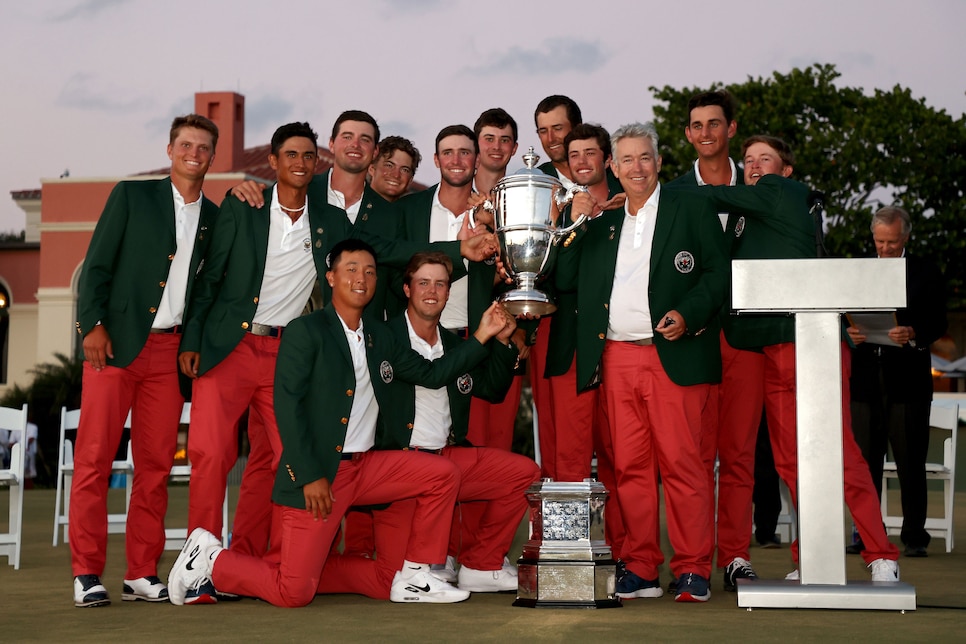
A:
(424, 587)
(192, 568)
(89, 592)
(793, 576)
(445, 572)
(149, 589)
(884, 570)
(486, 581)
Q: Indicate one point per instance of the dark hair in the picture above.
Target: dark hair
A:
(349, 245)
(555, 101)
(589, 131)
(457, 130)
(422, 258)
(392, 143)
(720, 97)
(290, 130)
(194, 120)
(355, 115)
(783, 149)
(495, 117)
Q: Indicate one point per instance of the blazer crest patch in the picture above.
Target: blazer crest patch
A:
(684, 262)
(740, 226)
(307, 244)
(465, 383)
(385, 371)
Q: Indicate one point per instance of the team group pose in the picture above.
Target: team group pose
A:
(381, 424)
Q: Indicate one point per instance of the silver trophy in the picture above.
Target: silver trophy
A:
(566, 563)
(523, 207)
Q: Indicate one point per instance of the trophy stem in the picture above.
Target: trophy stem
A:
(526, 298)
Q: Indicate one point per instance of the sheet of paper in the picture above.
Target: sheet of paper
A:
(875, 326)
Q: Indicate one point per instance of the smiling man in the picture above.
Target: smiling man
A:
(138, 273)
(554, 117)
(257, 278)
(496, 135)
(393, 169)
(334, 374)
(650, 278)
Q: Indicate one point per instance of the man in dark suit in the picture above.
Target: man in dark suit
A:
(650, 279)
(892, 384)
(334, 374)
(137, 275)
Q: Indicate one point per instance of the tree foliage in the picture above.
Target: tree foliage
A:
(863, 151)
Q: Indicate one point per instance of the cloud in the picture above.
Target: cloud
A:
(397, 128)
(86, 9)
(81, 92)
(556, 56)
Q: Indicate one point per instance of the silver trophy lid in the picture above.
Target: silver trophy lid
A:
(529, 175)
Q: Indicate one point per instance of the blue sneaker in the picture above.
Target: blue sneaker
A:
(692, 588)
(620, 570)
(630, 586)
(204, 594)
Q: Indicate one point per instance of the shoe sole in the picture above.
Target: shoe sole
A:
(644, 593)
(200, 600)
(688, 597)
(129, 597)
(426, 599)
(96, 603)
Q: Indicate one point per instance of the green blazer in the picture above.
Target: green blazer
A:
(226, 297)
(315, 383)
(771, 221)
(379, 224)
(415, 212)
(685, 224)
(128, 260)
(489, 381)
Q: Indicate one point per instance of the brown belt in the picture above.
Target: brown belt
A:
(644, 342)
(423, 449)
(352, 456)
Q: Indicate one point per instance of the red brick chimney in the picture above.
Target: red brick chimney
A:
(227, 110)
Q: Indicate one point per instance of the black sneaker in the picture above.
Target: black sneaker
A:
(855, 548)
(89, 592)
(738, 569)
(672, 586)
(631, 586)
(915, 551)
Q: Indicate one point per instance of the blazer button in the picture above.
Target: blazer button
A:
(601, 336)
(345, 421)
(606, 306)
(409, 425)
(338, 448)
(161, 284)
(153, 310)
(170, 257)
(255, 300)
(348, 392)
(245, 325)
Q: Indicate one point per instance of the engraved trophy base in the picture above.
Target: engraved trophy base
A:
(566, 584)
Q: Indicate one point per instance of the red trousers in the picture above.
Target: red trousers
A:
(244, 379)
(290, 574)
(655, 425)
(730, 430)
(148, 387)
(492, 425)
(543, 398)
(860, 494)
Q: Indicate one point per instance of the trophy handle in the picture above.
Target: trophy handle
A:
(563, 198)
(486, 205)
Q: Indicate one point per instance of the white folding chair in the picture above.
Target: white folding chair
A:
(14, 420)
(116, 522)
(944, 417)
(788, 519)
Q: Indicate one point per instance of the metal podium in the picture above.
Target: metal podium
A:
(817, 292)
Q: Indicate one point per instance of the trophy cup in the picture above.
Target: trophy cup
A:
(523, 212)
(566, 563)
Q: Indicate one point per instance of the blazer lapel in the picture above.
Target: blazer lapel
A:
(333, 326)
(666, 213)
